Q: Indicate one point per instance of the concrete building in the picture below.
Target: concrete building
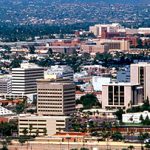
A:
(59, 71)
(55, 97)
(114, 45)
(134, 117)
(98, 81)
(144, 31)
(24, 79)
(140, 74)
(43, 124)
(63, 49)
(97, 70)
(5, 85)
(121, 95)
(99, 29)
(5, 112)
(94, 48)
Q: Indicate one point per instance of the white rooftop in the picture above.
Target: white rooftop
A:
(5, 112)
(121, 83)
(59, 69)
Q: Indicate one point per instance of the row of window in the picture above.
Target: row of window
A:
(40, 110)
(49, 103)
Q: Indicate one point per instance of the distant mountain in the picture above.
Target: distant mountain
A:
(112, 1)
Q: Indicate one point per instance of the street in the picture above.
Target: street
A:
(68, 146)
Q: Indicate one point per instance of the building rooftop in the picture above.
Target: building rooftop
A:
(27, 66)
(56, 81)
(5, 112)
(28, 116)
(142, 64)
(122, 84)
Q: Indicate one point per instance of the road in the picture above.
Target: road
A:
(36, 145)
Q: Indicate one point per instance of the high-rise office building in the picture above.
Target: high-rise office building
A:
(140, 74)
(24, 79)
(55, 97)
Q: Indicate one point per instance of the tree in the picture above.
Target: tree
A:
(25, 131)
(7, 48)
(37, 132)
(15, 63)
(131, 147)
(30, 128)
(119, 113)
(147, 146)
(146, 121)
(4, 147)
(89, 100)
(117, 136)
(44, 131)
(84, 148)
(50, 52)
(142, 137)
(22, 140)
(139, 43)
(20, 108)
(4, 144)
(141, 118)
(32, 49)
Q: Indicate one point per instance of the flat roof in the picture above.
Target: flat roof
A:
(23, 116)
(141, 64)
(122, 83)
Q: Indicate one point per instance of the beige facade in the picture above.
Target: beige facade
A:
(98, 28)
(121, 95)
(114, 45)
(140, 74)
(98, 48)
(52, 124)
(55, 97)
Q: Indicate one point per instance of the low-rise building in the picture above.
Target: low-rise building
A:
(94, 48)
(59, 71)
(5, 112)
(121, 95)
(114, 45)
(44, 125)
(135, 117)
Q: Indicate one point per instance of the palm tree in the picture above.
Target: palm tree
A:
(25, 131)
(37, 132)
(30, 128)
(131, 147)
(147, 146)
(45, 131)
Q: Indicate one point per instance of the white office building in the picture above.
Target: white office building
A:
(59, 71)
(134, 117)
(5, 85)
(24, 79)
